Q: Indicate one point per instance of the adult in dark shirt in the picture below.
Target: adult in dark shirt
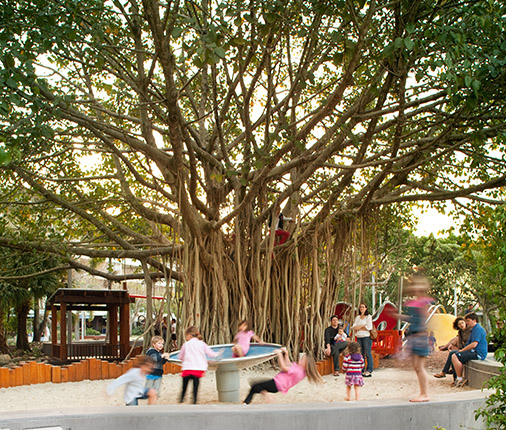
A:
(331, 347)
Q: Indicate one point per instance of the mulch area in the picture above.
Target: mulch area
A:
(435, 361)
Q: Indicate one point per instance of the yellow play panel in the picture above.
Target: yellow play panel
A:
(441, 324)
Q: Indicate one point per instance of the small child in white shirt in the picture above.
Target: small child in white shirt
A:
(134, 381)
(341, 336)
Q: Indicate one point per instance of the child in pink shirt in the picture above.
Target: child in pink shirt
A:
(290, 375)
(243, 339)
(194, 360)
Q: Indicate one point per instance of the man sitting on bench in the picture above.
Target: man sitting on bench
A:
(475, 349)
(333, 348)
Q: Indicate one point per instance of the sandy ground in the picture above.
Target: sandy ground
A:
(393, 380)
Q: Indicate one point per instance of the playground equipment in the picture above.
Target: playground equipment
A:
(389, 339)
(117, 305)
(227, 367)
(386, 317)
(441, 323)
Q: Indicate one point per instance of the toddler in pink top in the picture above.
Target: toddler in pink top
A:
(243, 339)
(290, 375)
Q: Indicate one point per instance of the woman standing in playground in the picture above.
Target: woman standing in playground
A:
(418, 342)
(194, 361)
(290, 375)
(362, 327)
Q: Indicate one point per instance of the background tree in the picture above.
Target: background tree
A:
(486, 242)
(202, 118)
(25, 279)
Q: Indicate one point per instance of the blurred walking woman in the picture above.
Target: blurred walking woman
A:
(362, 327)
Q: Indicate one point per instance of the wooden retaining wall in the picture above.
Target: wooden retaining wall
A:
(31, 372)
(326, 366)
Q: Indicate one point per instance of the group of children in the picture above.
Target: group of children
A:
(144, 381)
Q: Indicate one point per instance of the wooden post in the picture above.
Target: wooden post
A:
(56, 374)
(27, 380)
(5, 378)
(54, 329)
(64, 374)
(124, 329)
(86, 369)
(95, 369)
(112, 370)
(113, 324)
(32, 365)
(63, 332)
(13, 377)
(105, 369)
(47, 373)
(79, 371)
(72, 373)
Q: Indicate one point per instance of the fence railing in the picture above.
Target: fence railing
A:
(83, 350)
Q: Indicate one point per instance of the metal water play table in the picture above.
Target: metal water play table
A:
(227, 367)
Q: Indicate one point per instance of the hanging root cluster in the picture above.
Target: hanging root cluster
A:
(287, 292)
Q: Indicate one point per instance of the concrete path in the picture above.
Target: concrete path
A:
(455, 413)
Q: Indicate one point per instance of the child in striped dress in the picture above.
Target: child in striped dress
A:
(352, 365)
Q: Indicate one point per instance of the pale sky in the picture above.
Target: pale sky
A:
(431, 221)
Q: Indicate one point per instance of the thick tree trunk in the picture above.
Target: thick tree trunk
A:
(4, 349)
(22, 335)
(36, 321)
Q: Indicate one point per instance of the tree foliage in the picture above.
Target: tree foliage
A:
(25, 278)
(170, 131)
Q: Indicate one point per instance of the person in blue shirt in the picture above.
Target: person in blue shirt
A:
(476, 348)
(154, 378)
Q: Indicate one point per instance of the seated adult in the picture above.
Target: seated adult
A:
(454, 345)
(497, 339)
(333, 347)
(475, 348)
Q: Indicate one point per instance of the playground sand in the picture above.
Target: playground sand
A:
(393, 380)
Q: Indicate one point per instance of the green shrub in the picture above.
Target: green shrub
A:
(137, 331)
(494, 411)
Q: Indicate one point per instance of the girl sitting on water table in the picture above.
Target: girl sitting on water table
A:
(290, 375)
(243, 339)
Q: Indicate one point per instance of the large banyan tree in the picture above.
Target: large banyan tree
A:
(170, 132)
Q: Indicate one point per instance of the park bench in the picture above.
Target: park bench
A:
(478, 372)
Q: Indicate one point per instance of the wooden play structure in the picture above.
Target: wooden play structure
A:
(66, 300)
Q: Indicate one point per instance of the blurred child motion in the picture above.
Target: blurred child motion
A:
(243, 338)
(290, 375)
(418, 346)
(135, 381)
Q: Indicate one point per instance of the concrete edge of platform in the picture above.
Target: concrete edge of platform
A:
(455, 413)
